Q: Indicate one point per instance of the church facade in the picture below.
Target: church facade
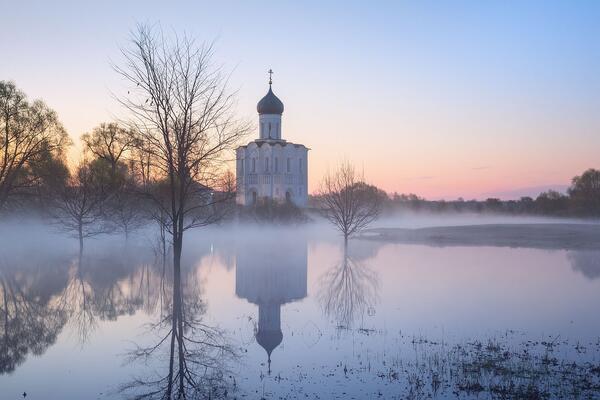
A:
(271, 167)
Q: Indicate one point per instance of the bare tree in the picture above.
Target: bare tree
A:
(127, 208)
(79, 205)
(26, 131)
(141, 164)
(347, 202)
(109, 142)
(184, 116)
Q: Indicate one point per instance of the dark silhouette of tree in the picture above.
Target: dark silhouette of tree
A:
(46, 171)
(493, 204)
(585, 193)
(78, 207)
(109, 142)
(347, 202)
(114, 170)
(128, 209)
(142, 164)
(29, 133)
(552, 202)
(525, 205)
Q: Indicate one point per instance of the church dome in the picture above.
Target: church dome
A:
(270, 104)
(269, 340)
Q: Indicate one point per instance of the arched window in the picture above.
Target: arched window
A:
(266, 165)
(269, 129)
(253, 165)
(276, 164)
(289, 165)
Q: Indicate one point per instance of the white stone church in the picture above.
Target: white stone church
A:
(271, 167)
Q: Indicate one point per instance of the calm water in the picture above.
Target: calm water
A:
(333, 324)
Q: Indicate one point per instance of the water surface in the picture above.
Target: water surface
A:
(305, 316)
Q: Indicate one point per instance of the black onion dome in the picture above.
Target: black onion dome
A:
(270, 104)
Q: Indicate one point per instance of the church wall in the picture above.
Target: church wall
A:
(265, 171)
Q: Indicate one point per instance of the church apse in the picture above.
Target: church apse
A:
(269, 277)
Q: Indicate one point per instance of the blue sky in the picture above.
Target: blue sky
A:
(444, 99)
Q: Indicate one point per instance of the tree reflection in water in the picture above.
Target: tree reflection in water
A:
(41, 292)
(29, 320)
(586, 261)
(104, 286)
(348, 291)
(77, 300)
(195, 354)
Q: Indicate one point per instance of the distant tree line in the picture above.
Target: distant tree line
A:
(581, 200)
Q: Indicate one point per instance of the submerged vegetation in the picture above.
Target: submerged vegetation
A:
(499, 367)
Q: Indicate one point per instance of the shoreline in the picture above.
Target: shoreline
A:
(565, 236)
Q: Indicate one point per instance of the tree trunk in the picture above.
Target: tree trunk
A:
(3, 199)
(80, 231)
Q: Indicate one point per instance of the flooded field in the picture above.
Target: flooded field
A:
(292, 313)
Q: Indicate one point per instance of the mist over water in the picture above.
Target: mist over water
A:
(413, 219)
(304, 315)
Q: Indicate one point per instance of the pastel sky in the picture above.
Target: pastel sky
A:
(441, 99)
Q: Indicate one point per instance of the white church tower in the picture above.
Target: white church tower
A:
(271, 167)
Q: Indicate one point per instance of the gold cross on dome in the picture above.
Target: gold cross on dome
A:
(270, 76)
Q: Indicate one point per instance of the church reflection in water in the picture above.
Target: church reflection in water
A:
(271, 276)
